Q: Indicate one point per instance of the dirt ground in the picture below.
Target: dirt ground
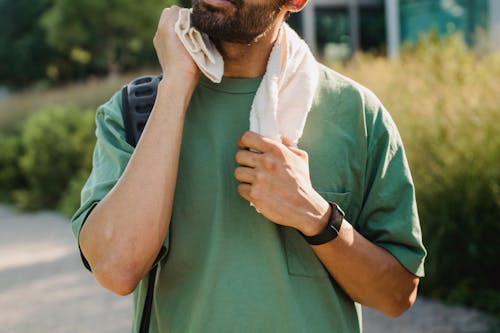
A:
(44, 288)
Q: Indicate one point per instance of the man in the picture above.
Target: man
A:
(231, 267)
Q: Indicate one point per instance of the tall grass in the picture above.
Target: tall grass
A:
(88, 94)
(446, 102)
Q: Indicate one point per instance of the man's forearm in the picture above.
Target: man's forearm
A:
(124, 233)
(368, 273)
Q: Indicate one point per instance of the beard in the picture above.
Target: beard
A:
(242, 23)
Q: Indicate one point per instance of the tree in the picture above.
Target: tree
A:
(23, 51)
(101, 36)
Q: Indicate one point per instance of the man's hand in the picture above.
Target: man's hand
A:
(275, 179)
(172, 55)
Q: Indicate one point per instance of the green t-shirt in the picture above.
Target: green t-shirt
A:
(228, 269)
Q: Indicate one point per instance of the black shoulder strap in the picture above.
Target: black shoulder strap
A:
(148, 302)
(138, 98)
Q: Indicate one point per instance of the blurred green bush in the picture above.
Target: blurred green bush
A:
(456, 166)
(54, 41)
(53, 148)
(10, 176)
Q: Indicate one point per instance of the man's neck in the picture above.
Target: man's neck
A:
(249, 60)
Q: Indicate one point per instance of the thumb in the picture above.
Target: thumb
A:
(293, 147)
(287, 142)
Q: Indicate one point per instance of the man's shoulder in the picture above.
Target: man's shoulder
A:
(344, 98)
(109, 118)
(112, 107)
(339, 85)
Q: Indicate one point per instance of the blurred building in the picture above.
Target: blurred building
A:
(337, 28)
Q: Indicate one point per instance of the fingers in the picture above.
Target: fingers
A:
(287, 141)
(247, 158)
(166, 24)
(291, 146)
(252, 140)
(244, 175)
(168, 15)
(300, 153)
(165, 31)
(258, 151)
(172, 55)
(244, 191)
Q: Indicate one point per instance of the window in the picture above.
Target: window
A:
(333, 33)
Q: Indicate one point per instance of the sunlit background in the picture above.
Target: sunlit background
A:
(435, 64)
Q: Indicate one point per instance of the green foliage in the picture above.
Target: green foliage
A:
(57, 146)
(70, 200)
(445, 102)
(99, 36)
(23, 51)
(84, 95)
(52, 41)
(10, 176)
(458, 181)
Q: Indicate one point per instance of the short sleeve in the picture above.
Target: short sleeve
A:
(111, 155)
(389, 215)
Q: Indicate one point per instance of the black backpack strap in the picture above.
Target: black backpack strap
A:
(138, 98)
(148, 301)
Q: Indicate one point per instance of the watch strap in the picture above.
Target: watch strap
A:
(332, 228)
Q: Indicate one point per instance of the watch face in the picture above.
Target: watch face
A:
(337, 217)
(337, 208)
(333, 229)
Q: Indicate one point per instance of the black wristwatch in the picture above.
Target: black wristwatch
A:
(331, 230)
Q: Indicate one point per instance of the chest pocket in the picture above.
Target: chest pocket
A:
(301, 259)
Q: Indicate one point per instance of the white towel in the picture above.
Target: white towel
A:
(286, 93)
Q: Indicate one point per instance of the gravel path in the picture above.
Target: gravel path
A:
(44, 288)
